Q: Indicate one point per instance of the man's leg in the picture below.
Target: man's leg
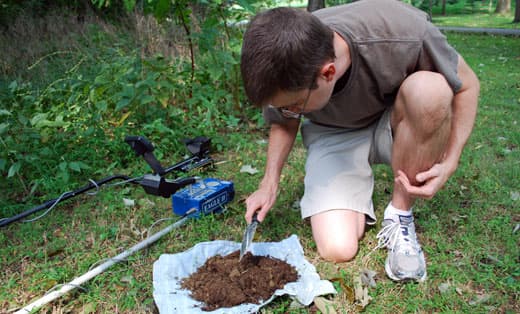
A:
(337, 232)
(421, 122)
(338, 177)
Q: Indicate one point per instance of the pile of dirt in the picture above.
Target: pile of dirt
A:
(223, 281)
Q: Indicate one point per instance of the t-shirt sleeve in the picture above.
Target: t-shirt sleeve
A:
(439, 56)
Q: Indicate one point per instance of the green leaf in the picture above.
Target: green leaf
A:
(14, 169)
(13, 86)
(128, 91)
(161, 8)
(245, 4)
(146, 99)
(3, 127)
(101, 106)
(129, 4)
(39, 118)
(3, 163)
(4, 112)
(78, 165)
(75, 166)
(122, 103)
(63, 166)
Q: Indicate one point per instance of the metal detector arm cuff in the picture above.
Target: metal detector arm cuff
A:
(142, 146)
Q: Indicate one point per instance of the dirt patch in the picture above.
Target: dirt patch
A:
(223, 281)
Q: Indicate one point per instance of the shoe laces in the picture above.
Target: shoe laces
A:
(387, 236)
(392, 234)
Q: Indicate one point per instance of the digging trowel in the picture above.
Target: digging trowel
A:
(248, 236)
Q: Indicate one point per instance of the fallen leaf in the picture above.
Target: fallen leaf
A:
(58, 233)
(248, 169)
(89, 308)
(490, 260)
(145, 203)
(361, 293)
(325, 306)
(127, 279)
(349, 292)
(128, 202)
(444, 287)
(368, 277)
(295, 305)
(481, 298)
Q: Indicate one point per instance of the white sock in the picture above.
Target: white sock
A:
(393, 213)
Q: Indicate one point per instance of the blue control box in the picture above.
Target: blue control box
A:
(203, 197)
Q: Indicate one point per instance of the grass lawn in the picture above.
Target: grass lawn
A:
(488, 20)
(468, 231)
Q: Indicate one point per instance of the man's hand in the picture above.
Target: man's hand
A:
(260, 202)
(431, 181)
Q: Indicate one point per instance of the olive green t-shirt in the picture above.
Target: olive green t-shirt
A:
(388, 41)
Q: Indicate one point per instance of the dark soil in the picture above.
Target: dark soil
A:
(223, 281)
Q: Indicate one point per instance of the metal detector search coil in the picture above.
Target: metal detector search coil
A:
(205, 196)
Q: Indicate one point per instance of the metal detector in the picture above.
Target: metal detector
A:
(155, 183)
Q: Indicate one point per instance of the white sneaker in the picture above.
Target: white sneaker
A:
(405, 260)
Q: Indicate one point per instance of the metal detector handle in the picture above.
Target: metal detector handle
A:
(142, 146)
(199, 146)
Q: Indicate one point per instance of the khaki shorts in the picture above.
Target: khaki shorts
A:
(338, 168)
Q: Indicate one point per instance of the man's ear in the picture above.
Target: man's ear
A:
(328, 70)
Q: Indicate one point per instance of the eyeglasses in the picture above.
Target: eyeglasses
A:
(286, 113)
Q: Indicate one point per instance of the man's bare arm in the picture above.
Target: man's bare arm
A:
(281, 141)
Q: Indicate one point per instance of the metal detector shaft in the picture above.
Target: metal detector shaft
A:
(189, 164)
(66, 196)
(99, 269)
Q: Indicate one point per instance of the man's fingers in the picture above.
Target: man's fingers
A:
(259, 203)
(423, 191)
(252, 206)
(427, 175)
(410, 189)
(261, 215)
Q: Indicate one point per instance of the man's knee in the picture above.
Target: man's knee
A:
(425, 99)
(426, 85)
(338, 250)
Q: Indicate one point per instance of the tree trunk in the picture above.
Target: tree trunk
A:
(430, 5)
(517, 12)
(503, 6)
(314, 5)
(444, 7)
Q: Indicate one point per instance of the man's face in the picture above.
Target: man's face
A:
(303, 101)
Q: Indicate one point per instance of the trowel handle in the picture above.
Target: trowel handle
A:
(255, 218)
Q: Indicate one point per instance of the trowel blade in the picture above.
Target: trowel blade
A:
(248, 236)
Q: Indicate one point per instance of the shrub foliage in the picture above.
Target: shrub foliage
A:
(74, 126)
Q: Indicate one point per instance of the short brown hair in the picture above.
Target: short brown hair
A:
(283, 49)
